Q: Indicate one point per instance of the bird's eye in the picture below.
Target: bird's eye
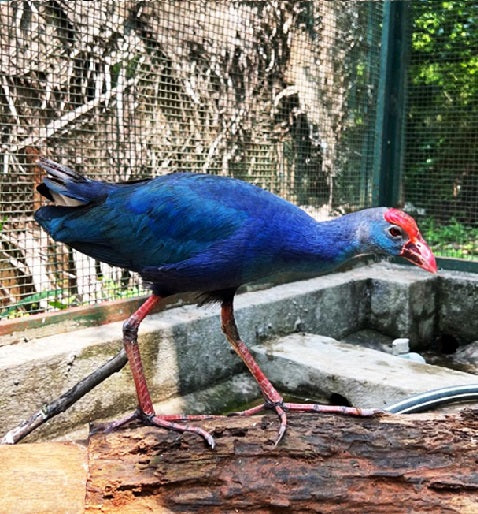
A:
(395, 231)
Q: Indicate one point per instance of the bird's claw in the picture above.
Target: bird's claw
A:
(154, 420)
(279, 407)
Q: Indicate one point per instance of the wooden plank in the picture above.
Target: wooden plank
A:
(43, 478)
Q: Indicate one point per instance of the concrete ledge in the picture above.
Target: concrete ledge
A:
(457, 309)
(183, 350)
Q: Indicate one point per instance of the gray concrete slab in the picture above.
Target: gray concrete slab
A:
(183, 350)
(320, 366)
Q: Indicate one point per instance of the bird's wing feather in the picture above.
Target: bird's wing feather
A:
(165, 220)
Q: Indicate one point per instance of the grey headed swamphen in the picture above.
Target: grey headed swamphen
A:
(187, 232)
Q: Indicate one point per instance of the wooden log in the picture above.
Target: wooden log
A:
(419, 463)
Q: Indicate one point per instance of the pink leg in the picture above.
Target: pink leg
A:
(145, 410)
(273, 400)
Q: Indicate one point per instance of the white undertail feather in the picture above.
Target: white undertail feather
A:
(57, 181)
(65, 201)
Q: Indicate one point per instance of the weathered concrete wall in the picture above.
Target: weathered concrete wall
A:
(458, 306)
(404, 304)
(184, 350)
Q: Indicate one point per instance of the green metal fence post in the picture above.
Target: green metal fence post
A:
(390, 120)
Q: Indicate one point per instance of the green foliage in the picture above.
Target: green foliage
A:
(453, 239)
(441, 162)
(112, 290)
(32, 303)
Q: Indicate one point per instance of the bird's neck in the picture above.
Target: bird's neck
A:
(337, 240)
(323, 246)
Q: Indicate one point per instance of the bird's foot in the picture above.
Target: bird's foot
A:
(277, 406)
(331, 409)
(167, 421)
(281, 407)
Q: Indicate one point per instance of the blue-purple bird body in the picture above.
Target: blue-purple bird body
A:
(204, 233)
(188, 232)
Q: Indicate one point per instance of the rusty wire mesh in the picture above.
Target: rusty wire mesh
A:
(283, 94)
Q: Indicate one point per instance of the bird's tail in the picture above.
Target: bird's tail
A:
(67, 188)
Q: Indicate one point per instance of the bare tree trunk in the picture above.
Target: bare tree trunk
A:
(328, 463)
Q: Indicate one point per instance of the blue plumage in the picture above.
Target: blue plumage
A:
(202, 233)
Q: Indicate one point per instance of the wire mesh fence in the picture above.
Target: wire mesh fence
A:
(279, 93)
(441, 166)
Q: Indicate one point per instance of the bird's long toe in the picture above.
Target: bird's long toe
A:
(283, 423)
(113, 425)
(332, 409)
(163, 422)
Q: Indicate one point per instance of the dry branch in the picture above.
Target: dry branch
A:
(66, 400)
(69, 121)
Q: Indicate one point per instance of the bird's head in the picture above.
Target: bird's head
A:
(396, 233)
(403, 235)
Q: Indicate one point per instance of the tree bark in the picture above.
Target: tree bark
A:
(327, 463)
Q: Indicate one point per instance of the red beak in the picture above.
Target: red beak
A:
(418, 252)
